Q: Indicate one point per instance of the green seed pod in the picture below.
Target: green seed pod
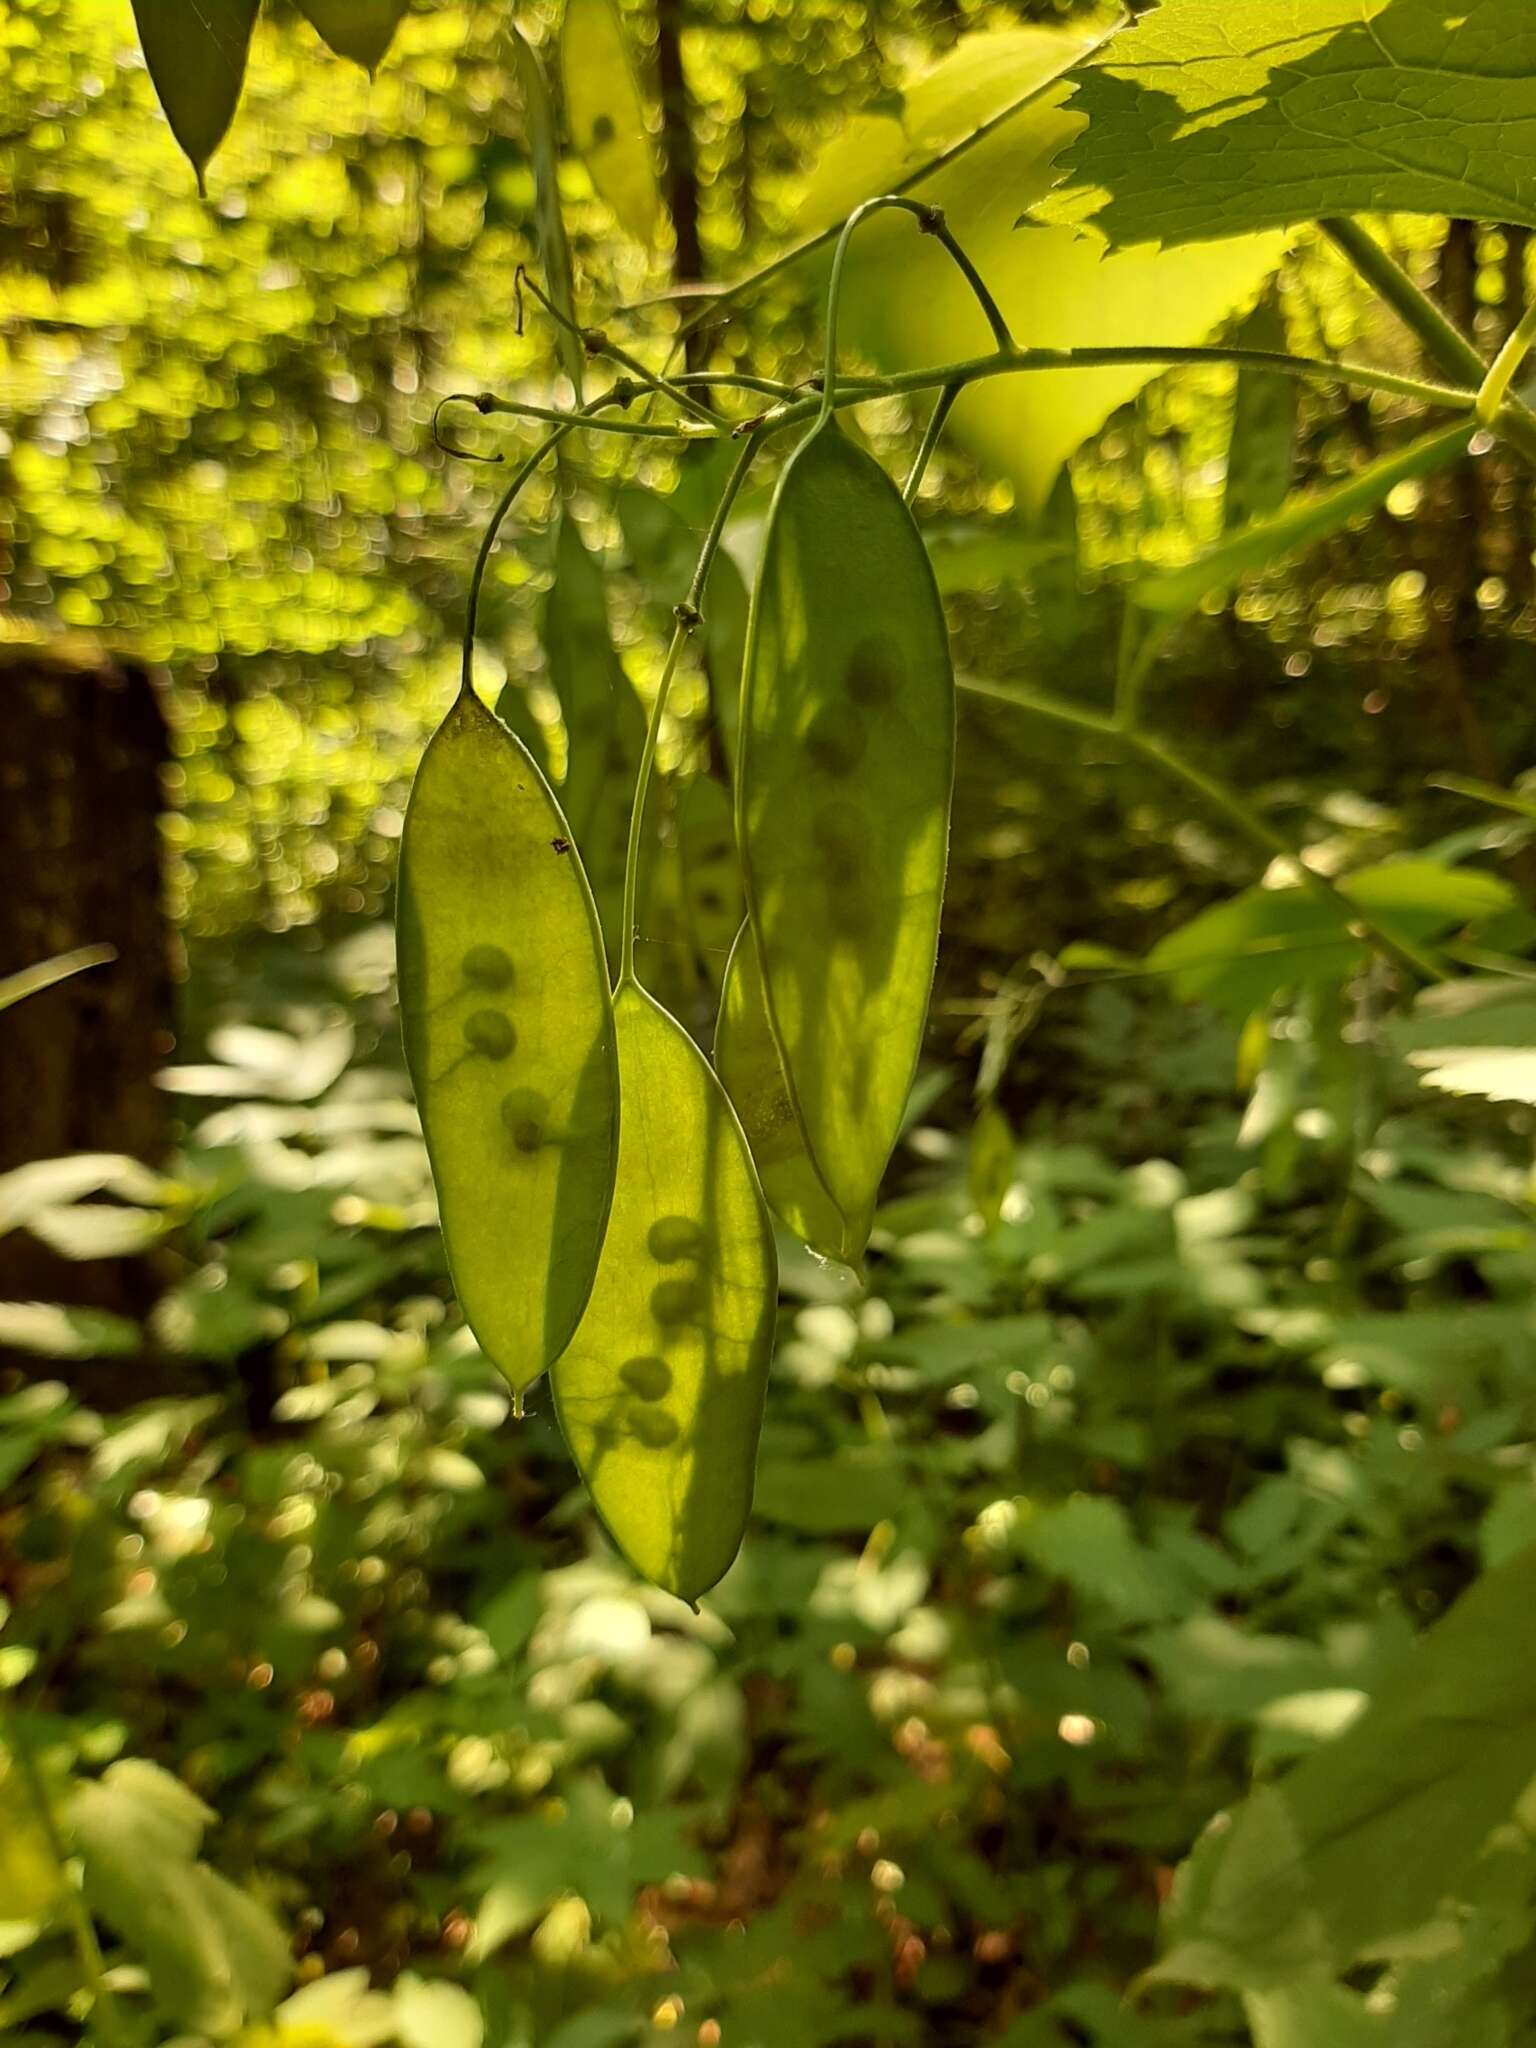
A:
(675, 1500)
(650, 1377)
(489, 1032)
(523, 1216)
(675, 1237)
(525, 1113)
(488, 967)
(843, 842)
(752, 1074)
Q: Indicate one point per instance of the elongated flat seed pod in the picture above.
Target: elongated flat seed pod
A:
(607, 116)
(661, 1392)
(509, 1037)
(752, 1074)
(706, 838)
(843, 801)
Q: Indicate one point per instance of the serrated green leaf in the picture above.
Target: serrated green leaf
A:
(1363, 1841)
(214, 1957)
(196, 52)
(1207, 119)
(905, 303)
(1261, 450)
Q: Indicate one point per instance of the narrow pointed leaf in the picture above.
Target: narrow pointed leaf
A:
(509, 1037)
(31, 981)
(1307, 519)
(544, 151)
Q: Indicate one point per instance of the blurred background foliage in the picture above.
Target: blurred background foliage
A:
(1198, 1368)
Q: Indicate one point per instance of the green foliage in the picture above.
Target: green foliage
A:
(196, 56)
(660, 1391)
(1206, 120)
(1328, 1866)
(509, 1034)
(607, 116)
(1166, 1408)
(843, 799)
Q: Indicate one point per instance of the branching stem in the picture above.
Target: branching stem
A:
(1161, 754)
(689, 617)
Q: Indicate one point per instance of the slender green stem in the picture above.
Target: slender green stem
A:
(932, 222)
(679, 640)
(1443, 341)
(1158, 753)
(689, 618)
(487, 404)
(597, 343)
(860, 390)
(1134, 661)
(943, 406)
(509, 497)
(82, 1932)
(1506, 366)
(1044, 703)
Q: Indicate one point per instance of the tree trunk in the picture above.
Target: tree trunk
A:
(677, 147)
(80, 804)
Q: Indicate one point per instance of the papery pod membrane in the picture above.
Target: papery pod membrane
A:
(509, 1037)
(843, 803)
(706, 835)
(606, 115)
(196, 58)
(663, 535)
(359, 29)
(752, 1074)
(660, 1393)
(604, 724)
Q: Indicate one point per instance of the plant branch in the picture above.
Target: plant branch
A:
(507, 500)
(931, 220)
(1506, 366)
(689, 618)
(1160, 754)
(596, 342)
(860, 390)
(1443, 341)
(943, 406)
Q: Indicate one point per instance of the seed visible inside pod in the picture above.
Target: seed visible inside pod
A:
(524, 1112)
(835, 742)
(488, 1032)
(873, 670)
(653, 1427)
(649, 1377)
(488, 967)
(835, 831)
(674, 1301)
(675, 1237)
